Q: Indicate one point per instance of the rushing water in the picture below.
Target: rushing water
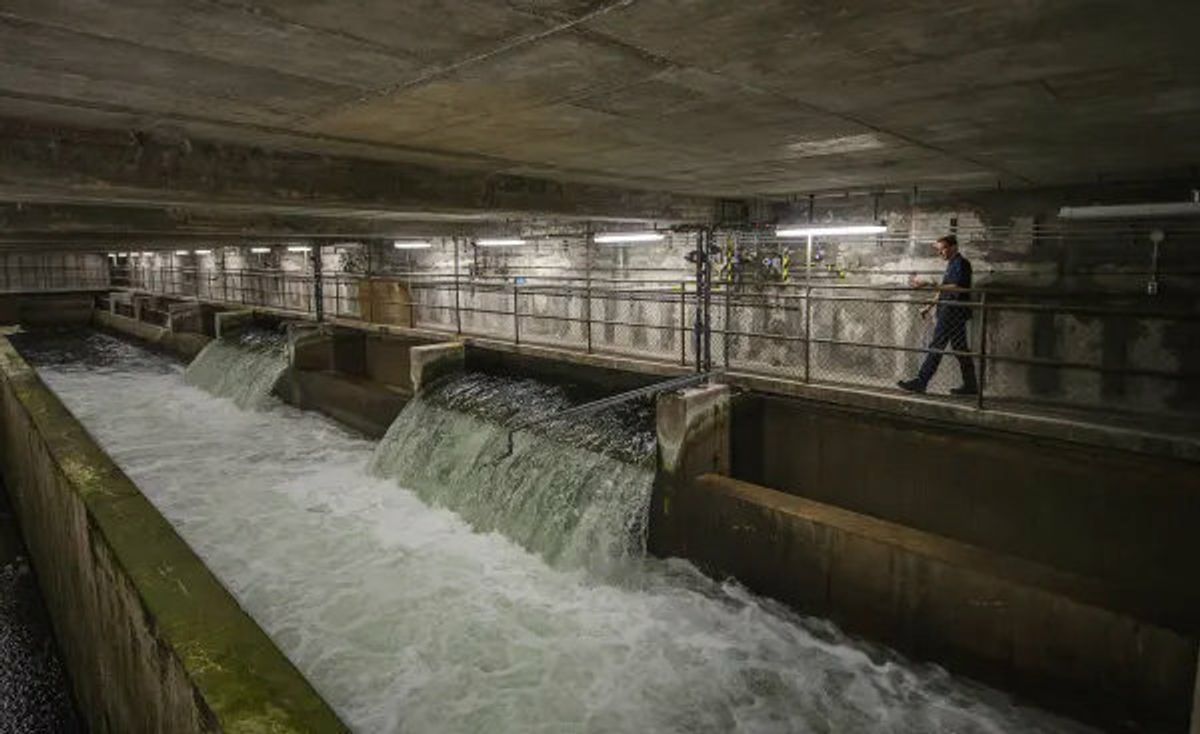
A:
(407, 618)
(582, 498)
(243, 369)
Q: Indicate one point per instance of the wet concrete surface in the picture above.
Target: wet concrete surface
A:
(35, 695)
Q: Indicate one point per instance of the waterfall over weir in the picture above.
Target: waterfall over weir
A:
(577, 493)
(243, 369)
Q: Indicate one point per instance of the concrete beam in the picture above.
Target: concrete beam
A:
(693, 428)
(228, 323)
(693, 431)
(41, 162)
(432, 361)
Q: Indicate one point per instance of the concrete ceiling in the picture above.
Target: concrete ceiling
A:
(699, 97)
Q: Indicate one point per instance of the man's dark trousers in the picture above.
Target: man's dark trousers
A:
(951, 328)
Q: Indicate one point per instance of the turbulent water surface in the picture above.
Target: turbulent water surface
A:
(420, 595)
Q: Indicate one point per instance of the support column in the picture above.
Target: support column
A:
(693, 429)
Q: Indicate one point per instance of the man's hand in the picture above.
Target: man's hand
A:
(915, 282)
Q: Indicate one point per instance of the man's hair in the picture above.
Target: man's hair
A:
(949, 239)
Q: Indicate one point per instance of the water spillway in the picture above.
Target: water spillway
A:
(577, 493)
(431, 584)
(243, 369)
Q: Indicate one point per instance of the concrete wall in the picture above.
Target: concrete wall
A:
(360, 379)
(1127, 518)
(1049, 636)
(185, 345)
(57, 271)
(1019, 247)
(152, 640)
(46, 309)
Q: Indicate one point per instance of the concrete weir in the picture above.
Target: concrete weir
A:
(152, 639)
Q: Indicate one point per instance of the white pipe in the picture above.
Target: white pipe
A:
(1132, 211)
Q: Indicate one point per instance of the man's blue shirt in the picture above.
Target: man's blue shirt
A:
(958, 272)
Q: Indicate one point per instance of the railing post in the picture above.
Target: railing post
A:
(808, 333)
(725, 332)
(457, 301)
(368, 314)
(224, 278)
(983, 327)
(588, 242)
(516, 313)
(318, 289)
(683, 330)
(707, 239)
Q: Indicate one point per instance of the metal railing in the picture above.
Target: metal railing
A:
(1030, 349)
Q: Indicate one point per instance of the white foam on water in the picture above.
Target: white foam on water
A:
(406, 619)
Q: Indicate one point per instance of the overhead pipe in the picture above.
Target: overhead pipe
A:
(1134, 211)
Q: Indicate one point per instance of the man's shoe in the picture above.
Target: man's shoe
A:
(965, 390)
(912, 386)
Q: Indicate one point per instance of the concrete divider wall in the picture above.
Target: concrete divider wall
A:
(1129, 518)
(185, 345)
(1016, 624)
(361, 380)
(151, 639)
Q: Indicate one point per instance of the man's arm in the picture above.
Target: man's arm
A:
(916, 282)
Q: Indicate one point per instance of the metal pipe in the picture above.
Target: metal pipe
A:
(1132, 211)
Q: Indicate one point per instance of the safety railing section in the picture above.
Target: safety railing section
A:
(1111, 353)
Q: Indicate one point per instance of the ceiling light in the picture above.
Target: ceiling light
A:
(829, 231)
(403, 245)
(181, 252)
(500, 243)
(618, 237)
(201, 252)
(260, 250)
(299, 248)
(835, 146)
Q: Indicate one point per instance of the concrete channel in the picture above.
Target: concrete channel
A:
(1030, 572)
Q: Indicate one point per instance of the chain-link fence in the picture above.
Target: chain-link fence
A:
(1047, 350)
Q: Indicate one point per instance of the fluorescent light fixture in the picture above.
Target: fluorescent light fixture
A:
(411, 245)
(260, 250)
(201, 252)
(500, 243)
(613, 238)
(830, 231)
(122, 254)
(147, 253)
(835, 146)
(182, 252)
(299, 248)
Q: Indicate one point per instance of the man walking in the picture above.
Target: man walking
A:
(952, 319)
